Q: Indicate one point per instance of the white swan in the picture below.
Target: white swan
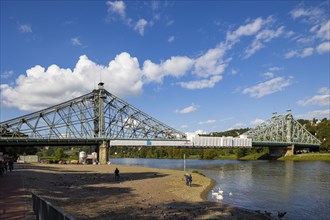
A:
(214, 193)
(220, 191)
(230, 194)
(220, 197)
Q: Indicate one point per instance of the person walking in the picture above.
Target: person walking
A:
(189, 180)
(117, 176)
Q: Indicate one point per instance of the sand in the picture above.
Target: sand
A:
(91, 192)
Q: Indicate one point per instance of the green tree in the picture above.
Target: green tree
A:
(209, 154)
(59, 154)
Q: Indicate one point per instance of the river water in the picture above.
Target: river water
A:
(300, 188)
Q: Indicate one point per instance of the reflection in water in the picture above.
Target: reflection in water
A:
(302, 189)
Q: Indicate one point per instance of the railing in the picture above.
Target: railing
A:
(46, 211)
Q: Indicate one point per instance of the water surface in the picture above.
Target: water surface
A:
(300, 188)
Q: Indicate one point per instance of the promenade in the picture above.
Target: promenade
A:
(12, 201)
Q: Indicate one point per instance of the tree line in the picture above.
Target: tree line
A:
(321, 129)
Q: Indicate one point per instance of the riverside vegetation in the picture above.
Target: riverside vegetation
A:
(321, 129)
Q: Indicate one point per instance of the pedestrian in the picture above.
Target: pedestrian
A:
(11, 165)
(189, 180)
(117, 176)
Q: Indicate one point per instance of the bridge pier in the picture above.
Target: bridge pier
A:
(103, 152)
(290, 151)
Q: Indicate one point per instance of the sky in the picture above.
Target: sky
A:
(197, 66)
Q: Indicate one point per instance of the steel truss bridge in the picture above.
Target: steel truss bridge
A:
(102, 119)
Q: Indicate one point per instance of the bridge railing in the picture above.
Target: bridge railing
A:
(44, 210)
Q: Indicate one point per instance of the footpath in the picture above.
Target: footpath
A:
(12, 196)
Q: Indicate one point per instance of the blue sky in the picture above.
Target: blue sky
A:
(198, 66)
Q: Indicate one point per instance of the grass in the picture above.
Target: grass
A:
(308, 157)
(255, 156)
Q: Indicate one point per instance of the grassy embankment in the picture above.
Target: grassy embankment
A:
(306, 157)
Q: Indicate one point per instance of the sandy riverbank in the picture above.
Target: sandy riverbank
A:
(90, 192)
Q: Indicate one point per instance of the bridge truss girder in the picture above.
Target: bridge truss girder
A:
(96, 115)
(282, 129)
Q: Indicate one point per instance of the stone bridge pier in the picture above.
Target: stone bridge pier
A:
(104, 152)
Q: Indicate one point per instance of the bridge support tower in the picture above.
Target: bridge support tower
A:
(99, 122)
(104, 152)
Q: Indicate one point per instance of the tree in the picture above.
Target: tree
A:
(59, 154)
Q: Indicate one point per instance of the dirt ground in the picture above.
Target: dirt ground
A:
(91, 192)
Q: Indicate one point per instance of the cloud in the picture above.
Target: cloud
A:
(211, 63)
(322, 31)
(322, 99)
(245, 30)
(188, 109)
(290, 54)
(304, 53)
(184, 126)
(25, 28)
(318, 114)
(207, 122)
(269, 87)
(75, 41)
(261, 38)
(117, 7)
(191, 135)
(7, 74)
(41, 87)
(323, 47)
(201, 84)
(256, 122)
(140, 25)
(176, 66)
(171, 39)
(308, 15)
(268, 74)
(307, 52)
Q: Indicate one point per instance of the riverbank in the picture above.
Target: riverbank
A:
(90, 192)
(308, 157)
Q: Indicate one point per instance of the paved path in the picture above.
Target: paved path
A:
(12, 202)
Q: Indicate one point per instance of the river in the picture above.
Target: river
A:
(300, 188)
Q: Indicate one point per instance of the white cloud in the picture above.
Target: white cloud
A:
(256, 122)
(211, 63)
(323, 32)
(322, 99)
(171, 39)
(201, 84)
(25, 28)
(318, 114)
(117, 7)
(7, 74)
(266, 88)
(307, 52)
(304, 53)
(184, 126)
(245, 30)
(274, 68)
(268, 74)
(140, 25)
(290, 54)
(75, 41)
(323, 47)
(263, 36)
(176, 66)
(308, 15)
(207, 122)
(191, 135)
(41, 87)
(188, 109)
